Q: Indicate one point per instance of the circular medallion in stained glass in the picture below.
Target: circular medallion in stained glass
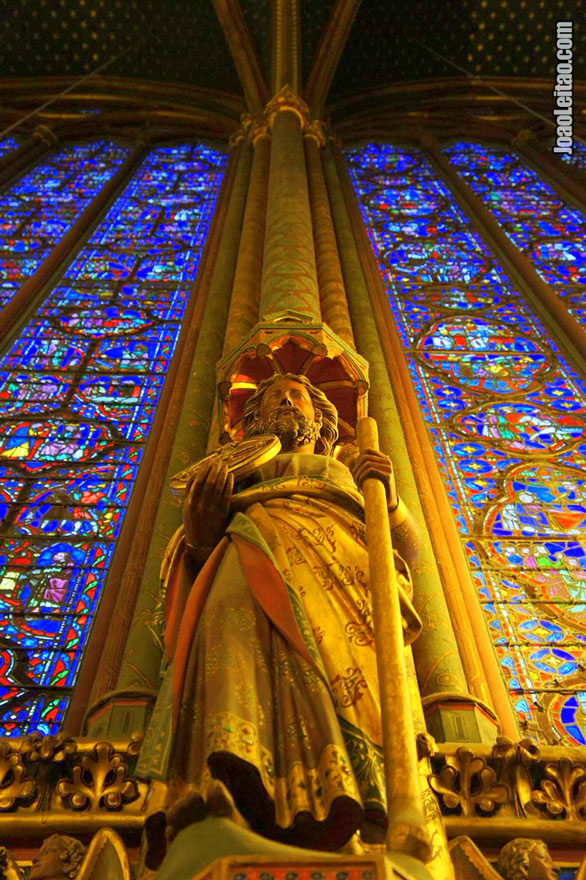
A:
(567, 715)
(435, 261)
(108, 321)
(407, 201)
(522, 428)
(565, 260)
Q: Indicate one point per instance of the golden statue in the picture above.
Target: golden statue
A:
(522, 858)
(61, 857)
(526, 859)
(272, 687)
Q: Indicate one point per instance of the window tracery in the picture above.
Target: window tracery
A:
(506, 416)
(78, 392)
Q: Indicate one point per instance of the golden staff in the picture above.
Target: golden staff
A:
(407, 831)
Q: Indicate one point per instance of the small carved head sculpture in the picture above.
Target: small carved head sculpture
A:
(324, 429)
(59, 858)
(525, 859)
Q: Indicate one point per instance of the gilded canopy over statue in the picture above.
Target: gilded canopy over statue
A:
(272, 686)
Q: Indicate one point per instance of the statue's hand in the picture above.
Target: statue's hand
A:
(373, 463)
(207, 505)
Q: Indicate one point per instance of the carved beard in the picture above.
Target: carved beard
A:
(290, 425)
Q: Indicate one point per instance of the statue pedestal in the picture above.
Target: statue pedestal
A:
(218, 849)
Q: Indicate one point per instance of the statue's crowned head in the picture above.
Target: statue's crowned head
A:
(526, 859)
(59, 856)
(295, 410)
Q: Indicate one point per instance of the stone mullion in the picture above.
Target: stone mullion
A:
(37, 145)
(449, 654)
(244, 304)
(334, 304)
(550, 307)
(569, 181)
(132, 655)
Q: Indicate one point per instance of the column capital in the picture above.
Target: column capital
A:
(252, 128)
(315, 130)
(287, 99)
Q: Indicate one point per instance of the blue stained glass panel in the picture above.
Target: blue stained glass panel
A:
(506, 414)
(8, 145)
(41, 206)
(78, 392)
(578, 157)
(549, 231)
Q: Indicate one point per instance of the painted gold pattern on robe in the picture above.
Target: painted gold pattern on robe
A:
(311, 729)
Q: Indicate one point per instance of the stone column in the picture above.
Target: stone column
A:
(334, 305)
(244, 304)
(289, 275)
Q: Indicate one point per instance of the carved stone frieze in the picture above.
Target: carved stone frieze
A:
(56, 775)
(16, 786)
(512, 780)
(98, 780)
(467, 783)
(562, 791)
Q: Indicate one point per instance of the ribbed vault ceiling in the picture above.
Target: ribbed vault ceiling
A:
(180, 41)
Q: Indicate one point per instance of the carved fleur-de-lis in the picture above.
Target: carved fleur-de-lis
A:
(47, 748)
(15, 786)
(525, 752)
(469, 783)
(98, 781)
(516, 760)
(563, 791)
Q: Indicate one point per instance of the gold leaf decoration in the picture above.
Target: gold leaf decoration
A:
(15, 786)
(563, 791)
(99, 781)
(468, 783)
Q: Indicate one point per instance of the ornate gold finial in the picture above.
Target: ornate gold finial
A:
(287, 99)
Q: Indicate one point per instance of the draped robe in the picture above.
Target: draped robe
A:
(272, 685)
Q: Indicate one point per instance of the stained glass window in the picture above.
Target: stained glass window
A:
(578, 157)
(7, 145)
(506, 414)
(548, 230)
(78, 391)
(41, 206)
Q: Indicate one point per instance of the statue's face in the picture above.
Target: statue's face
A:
(540, 865)
(283, 395)
(286, 409)
(47, 865)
